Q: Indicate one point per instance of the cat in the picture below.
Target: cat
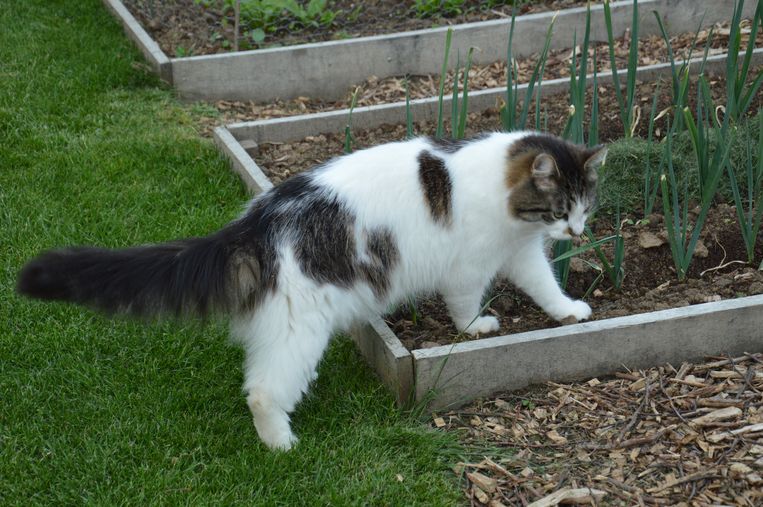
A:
(346, 241)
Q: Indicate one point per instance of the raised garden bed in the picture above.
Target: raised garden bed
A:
(452, 374)
(652, 50)
(325, 70)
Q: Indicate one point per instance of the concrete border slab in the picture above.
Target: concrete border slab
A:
(462, 372)
(326, 70)
(156, 58)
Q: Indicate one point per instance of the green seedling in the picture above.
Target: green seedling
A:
(750, 218)
(563, 251)
(682, 235)
(626, 103)
(440, 129)
(509, 117)
(739, 94)
(348, 139)
(651, 184)
(458, 120)
(409, 133)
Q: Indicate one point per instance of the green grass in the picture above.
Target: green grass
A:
(93, 150)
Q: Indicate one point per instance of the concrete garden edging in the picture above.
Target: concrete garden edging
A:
(454, 374)
(326, 70)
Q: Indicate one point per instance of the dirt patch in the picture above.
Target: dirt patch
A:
(188, 27)
(652, 50)
(657, 437)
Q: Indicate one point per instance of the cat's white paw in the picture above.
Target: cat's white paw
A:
(280, 441)
(482, 325)
(579, 310)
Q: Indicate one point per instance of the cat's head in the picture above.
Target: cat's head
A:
(552, 183)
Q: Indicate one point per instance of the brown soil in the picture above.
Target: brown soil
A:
(657, 437)
(200, 30)
(374, 91)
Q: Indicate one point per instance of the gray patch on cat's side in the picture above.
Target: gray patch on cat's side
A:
(436, 184)
(321, 229)
(324, 242)
(384, 255)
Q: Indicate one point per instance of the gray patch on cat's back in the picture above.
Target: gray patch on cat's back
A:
(325, 246)
(450, 145)
(436, 185)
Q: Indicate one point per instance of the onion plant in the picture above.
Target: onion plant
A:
(440, 129)
(574, 129)
(408, 113)
(563, 252)
(626, 102)
(750, 218)
(680, 75)
(348, 139)
(614, 270)
(682, 235)
(651, 184)
(509, 117)
(459, 116)
(739, 94)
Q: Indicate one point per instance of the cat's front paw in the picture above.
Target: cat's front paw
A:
(482, 325)
(578, 310)
(279, 441)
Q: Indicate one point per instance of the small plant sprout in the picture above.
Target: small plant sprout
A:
(458, 121)
(627, 102)
(710, 162)
(509, 117)
(348, 139)
(563, 251)
(573, 130)
(440, 129)
(651, 184)
(409, 133)
(739, 94)
(750, 218)
(680, 75)
(614, 270)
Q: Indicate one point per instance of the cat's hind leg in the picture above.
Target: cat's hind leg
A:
(283, 345)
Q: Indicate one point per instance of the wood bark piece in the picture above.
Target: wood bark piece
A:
(569, 495)
(721, 414)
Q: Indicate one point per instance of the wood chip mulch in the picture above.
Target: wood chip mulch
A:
(663, 436)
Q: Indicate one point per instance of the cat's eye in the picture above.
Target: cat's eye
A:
(558, 215)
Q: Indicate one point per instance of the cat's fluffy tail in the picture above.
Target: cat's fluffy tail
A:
(186, 277)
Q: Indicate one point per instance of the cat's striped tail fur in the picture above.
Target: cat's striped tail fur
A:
(193, 276)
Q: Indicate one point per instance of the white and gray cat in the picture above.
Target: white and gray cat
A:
(346, 241)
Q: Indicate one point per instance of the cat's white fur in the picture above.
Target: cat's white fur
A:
(286, 336)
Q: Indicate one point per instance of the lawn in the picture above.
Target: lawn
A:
(95, 150)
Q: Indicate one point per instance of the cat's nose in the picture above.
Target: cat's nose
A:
(574, 231)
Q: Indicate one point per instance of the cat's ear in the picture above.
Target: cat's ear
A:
(596, 157)
(543, 171)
